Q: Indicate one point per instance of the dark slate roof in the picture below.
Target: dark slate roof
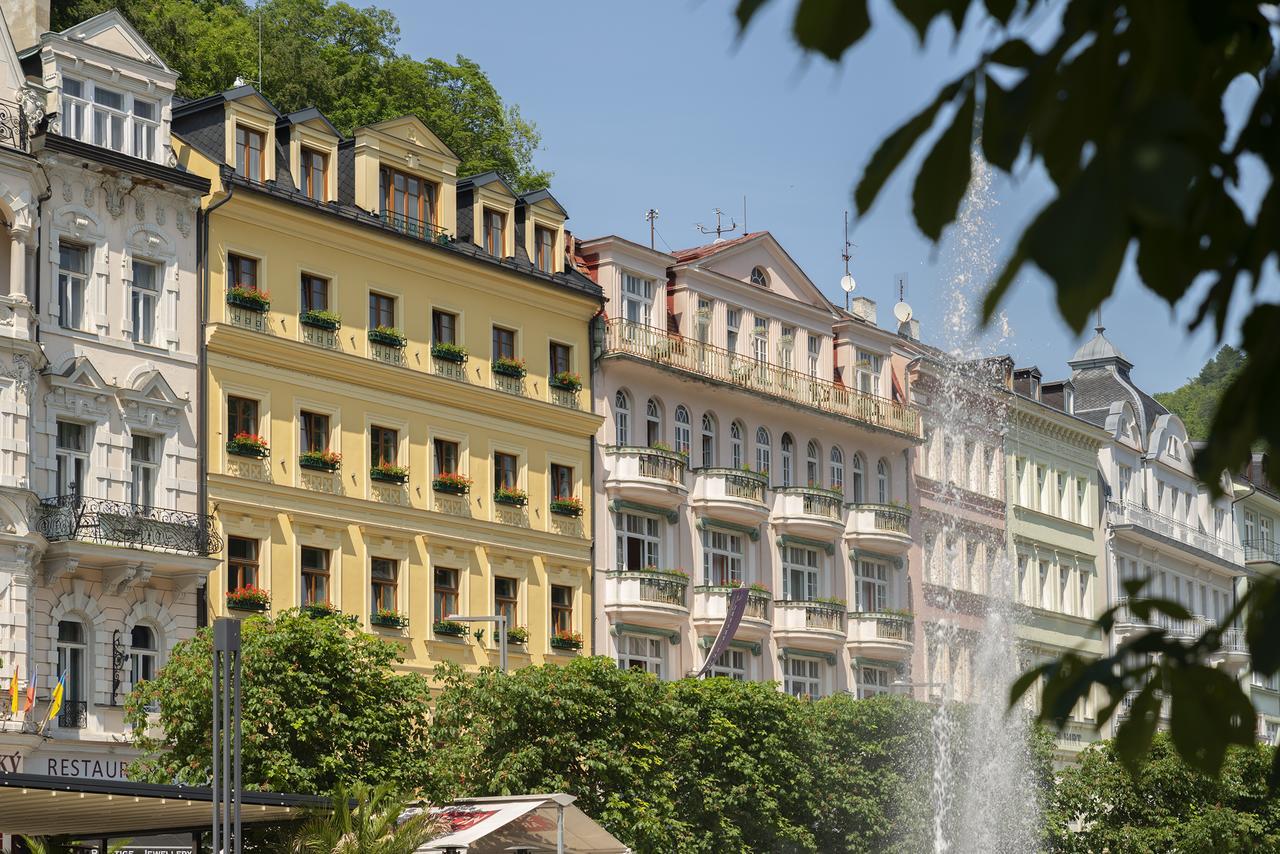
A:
(543, 195)
(1100, 373)
(307, 115)
(490, 177)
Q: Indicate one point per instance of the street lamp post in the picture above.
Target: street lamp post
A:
(501, 620)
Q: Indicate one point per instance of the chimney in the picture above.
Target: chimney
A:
(865, 308)
(27, 20)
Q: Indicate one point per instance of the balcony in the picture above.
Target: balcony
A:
(1262, 554)
(806, 511)
(1122, 513)
(884, 528)
(647, 598)
(711, 607)
(414, 227)
(650, 344)
(74, 714)
(809, 625)
(13, 126)
(1233, 651)
(134, 526)
(646, 475)
(887, 637)
(731, 495)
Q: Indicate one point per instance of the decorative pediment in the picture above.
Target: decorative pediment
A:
(746, 260)
(110, 31)
(151, 402)
(411, 130)
(78, 220)
(80, 375)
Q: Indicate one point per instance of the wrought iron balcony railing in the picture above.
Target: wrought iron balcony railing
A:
(74, 714)
(13, 126)
(414, 227)
(1261, 551)
(96, 520)
(651, 344)
(1125, 513)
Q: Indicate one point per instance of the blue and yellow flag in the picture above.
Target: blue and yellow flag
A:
(55, 699)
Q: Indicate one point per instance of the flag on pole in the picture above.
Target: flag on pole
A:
(13, 690)
(55, 699)
(31, 692)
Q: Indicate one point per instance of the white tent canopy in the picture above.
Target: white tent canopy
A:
(538, 824)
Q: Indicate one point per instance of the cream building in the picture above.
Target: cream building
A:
(1257, 525)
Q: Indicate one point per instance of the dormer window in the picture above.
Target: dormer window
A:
(759, 277)
(494, 224)
(74, 108)
(544, 240)
(408, 202)
(315, 173)
(249, 147)
(110, 118)
(868, 373)
(146, 124)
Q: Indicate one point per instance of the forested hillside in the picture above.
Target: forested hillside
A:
(1197, 400)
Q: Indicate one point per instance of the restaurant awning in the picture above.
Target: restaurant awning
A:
(56, 806)
(520, 823)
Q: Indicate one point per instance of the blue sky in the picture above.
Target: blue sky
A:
(658, 104)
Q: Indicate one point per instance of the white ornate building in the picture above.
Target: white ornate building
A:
(104, 544)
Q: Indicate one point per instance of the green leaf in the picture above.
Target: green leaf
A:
(1014, 53)
(1004, 122)
(944, 175)
(830, 27)
(1133, 736)
(1208, 712)
(1262, 626)
(920, 13)
(747, 10)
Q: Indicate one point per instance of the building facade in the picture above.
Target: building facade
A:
(752, 437)
(394, 426)
(108, 542)
(1257, 520)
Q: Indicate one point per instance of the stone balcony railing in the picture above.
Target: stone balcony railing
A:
(659, 588)
(1126, 513)
(809, 501)
(657, 346)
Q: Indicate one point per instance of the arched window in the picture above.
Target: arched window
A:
(708, 440)
(788, 453)
(837, 469)
(144, 654)
(813, 465)
(621, 418)
(859, 484)
(682, 431)
(883, 493)
(735, 444)
(653, 423)
(73, 650)
(763, 450)
(759, 277)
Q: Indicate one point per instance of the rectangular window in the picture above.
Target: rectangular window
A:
(108, 118)
(1064, 590)
(384, 582)
(721, 558)
(446, 593)
(242, 416)
(544, 240)
(803, 677)
(315, 172)
(1082, 501)
(408, 202)
(446, 456)
(868, 373)
(444, 327)
(760, 339)
(561, 482)
(384, 446)
(561, 608)
(382, 311)
(143, 299)
(637, 299)
(249, 147)
(1126, 476)
(504, 343)
(871, 586)
(873, 682)
(732, 664)
(313, 432)
(494, 225)
(1046, 590)
(315, 576)
(144, 466)
(145, 127)
(641, 652)
(315, 293)
(561, 361)
(73, 283)
(639, 541)
(506, 599)
(506, 470)
(72, 457)
(799, 573)
(815, 354)
(733, 321)
(242, 563)
(242, 272)
(74, 109)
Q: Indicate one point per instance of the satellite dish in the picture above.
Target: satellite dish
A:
(902, 311)
(847, 284)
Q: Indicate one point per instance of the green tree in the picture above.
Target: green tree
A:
(1196, 402)
(1122, 105)
(366, 820)
(335, 57)
(321, 703)
(1166, 806)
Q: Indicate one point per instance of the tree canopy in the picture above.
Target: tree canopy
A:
(338, 58)
(1196, 402)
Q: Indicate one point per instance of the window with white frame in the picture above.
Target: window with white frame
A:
(868, 373)
(682, 431)
(652, 423)
(812, 465)
(74, 109)
(874, 681)
(722, 558)
(639, 541)
(641, 652)
(703, 320)
(786, 348)
(1126, 477)
(72, 457)
(143, 300)
(108, 118)
(1064, 497)
(788, 459)
(637, 299)
(815, 354)
(800, 568)
(146, 125)
(1082, 501)
(837, 469)
(871, 586)
(803, 677)
(73, 284)
(760, 339)
(75, 662)
(735, 445)
(708, 439)
(859, 485)
(621, 418)
(144, 654)
(883, 493)
(763, 449)
(1046, 589)
(732, 664)
(144, 466)
(1065, 605)
(1086, 607)
(732, 324)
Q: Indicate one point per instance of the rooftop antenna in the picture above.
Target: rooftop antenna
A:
(847, 284)
(902, 311)
(719, 229)
(744, 213)
(652, 216)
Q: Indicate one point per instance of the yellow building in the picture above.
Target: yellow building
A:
(370, 320)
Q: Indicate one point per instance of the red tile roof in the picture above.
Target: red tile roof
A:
(684, 256)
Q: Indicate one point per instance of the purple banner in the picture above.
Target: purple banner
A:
(737, 607)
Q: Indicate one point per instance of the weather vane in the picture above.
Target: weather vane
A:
(719, 229)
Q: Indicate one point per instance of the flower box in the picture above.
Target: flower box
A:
(509, 367)
(673, 573)
(248, 298)
(248, 598)
(452, 484)
(566, 640)
(320, 319)
(517, 634)
(449, 352)
(450, 628)
(319, 609)
(320, 460)
(511, 497)
(389, 619)
(567, 381)
(248, 445)
(388, 336)
(566, 506)
(389, 474)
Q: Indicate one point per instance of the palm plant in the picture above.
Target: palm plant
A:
(366, 820)
(45, 845)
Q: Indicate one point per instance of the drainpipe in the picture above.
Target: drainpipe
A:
(1252, 489)
(592, 326)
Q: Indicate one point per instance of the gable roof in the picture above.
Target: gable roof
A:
(416, 128)
(127, 42)
(543, 195)
(724, 248)
(695, 253)
(309, 114)
(484, 179)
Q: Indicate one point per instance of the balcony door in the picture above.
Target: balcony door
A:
(637, 299)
